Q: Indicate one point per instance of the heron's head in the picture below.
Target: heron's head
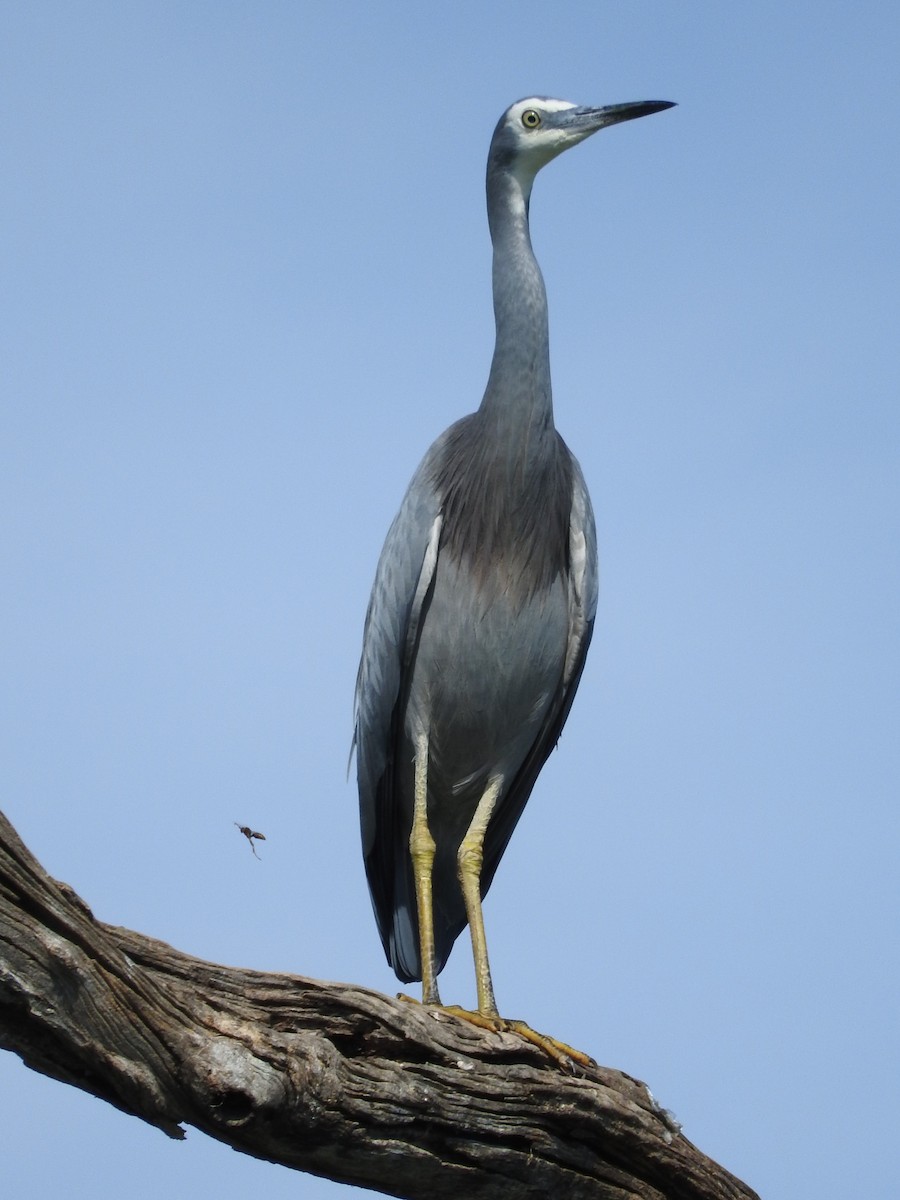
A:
(534, 130)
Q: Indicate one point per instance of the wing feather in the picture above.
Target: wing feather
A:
(393, 619)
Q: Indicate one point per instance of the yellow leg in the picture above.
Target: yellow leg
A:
(469, 861)
(469, 864)
(421, 849)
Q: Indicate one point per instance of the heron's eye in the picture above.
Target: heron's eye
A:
(531, 119)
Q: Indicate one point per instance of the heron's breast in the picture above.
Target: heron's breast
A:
(486, 670)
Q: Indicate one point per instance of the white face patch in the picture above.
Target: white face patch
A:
(538, 145)
(546, 102)
(539, 102)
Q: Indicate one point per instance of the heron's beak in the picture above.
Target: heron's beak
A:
(581, 122)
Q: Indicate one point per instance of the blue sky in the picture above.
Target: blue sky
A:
(247, 276)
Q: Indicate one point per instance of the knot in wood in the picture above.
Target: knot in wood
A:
(232, 1083)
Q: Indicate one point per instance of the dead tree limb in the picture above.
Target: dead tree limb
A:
(331, 1079)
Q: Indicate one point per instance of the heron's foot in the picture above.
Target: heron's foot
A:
(567, 1056)
(415, 1000)
(411, 999)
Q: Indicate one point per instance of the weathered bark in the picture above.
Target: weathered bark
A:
(327, 1078)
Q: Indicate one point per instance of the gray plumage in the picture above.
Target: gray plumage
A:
(485, 593)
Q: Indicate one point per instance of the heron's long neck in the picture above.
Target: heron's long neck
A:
(518, 397)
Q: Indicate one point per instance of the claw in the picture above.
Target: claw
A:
(566, 1056)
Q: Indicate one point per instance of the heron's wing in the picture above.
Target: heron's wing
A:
(583, 585)
(402, 582)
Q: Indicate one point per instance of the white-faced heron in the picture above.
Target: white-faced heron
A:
(482, 607)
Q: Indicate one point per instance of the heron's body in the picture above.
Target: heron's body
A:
(483, 704)
(482, 608)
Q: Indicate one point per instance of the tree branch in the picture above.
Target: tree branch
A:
(335, 1080)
